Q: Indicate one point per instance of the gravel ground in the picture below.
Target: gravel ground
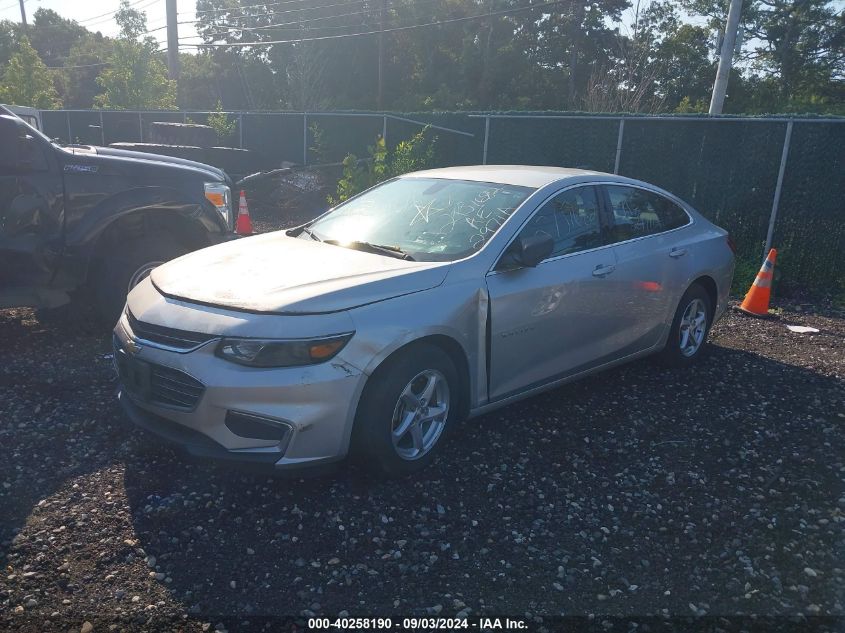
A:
(640, 491)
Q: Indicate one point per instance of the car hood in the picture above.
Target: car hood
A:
(276, 273)
(207, 171)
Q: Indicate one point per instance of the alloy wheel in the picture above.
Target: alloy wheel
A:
(693, 327)
(420, 414)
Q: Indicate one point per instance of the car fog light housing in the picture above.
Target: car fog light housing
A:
(281, 353)
(257, 427)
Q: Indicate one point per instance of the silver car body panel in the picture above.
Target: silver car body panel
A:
(550, 324)
(280, 274)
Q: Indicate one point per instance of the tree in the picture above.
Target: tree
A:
(794, 54)
(27, 81)
(84, 64)
(54, 36)
(136, 77)
(132, 22)
(676, 53)
(9, 34)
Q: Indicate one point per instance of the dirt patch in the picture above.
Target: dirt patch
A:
(290, 198)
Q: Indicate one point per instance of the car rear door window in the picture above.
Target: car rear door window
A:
(638, 213)
(572, 219)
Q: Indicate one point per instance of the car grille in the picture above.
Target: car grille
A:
(168, 336)
(174, 388)
(156, 384)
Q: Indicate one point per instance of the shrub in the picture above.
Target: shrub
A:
(220, 123)
(411, 155)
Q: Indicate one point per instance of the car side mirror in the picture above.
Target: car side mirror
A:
(527, 251)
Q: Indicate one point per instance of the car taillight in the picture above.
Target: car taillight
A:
(731, 244)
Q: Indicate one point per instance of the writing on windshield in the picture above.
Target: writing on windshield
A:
(433, 219)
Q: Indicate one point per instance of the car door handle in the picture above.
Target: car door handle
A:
(677, 252)
(602, 270)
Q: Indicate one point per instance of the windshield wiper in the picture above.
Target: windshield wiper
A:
(311, 233)
(390, 251)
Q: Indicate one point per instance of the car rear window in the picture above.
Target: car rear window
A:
(638, 212)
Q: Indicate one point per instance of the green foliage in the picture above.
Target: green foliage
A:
(413, 155)
(317, 149)
(136, 79)
(79, 80)
(358, 175)
(27, 81)
(132, 22)
(686, 106)
(569, 57)
(219, 121)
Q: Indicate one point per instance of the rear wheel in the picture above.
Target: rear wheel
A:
(119, 272)
(406, 410)
(690, 327)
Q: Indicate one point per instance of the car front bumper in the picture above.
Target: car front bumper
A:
(196, 399)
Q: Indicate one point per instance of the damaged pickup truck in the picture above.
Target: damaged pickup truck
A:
(92, 222)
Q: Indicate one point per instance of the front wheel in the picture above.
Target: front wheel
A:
(690, 327)
(405, 411)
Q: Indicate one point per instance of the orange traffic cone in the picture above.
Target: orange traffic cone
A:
(244, 224)
(756, 302)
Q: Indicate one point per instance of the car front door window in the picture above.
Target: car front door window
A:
(572, 219)
(561, 316)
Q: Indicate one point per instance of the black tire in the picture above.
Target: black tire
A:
(122, 266)
(673, 354)
(372, 443)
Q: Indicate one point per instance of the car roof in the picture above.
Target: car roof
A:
(518, 175)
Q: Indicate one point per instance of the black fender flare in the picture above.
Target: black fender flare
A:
(159, 199)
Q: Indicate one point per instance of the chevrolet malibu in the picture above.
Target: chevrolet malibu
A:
(426, 300)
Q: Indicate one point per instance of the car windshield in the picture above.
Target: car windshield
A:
(425, 219)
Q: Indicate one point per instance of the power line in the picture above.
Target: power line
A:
(137, 2)
(300, 10)
(299, 23)
(14, 4)
(283, 27)
(78, 66)
(390, 30)
(296, 25)
(247, 6)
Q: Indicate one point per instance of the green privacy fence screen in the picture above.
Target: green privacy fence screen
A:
(726, 167)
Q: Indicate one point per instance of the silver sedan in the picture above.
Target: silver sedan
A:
(427, 300)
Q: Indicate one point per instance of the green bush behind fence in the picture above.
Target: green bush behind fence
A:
(726, 168)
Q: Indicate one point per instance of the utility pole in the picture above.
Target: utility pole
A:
(172, 41)
(23, 13)
(720, 86)
(381, 56)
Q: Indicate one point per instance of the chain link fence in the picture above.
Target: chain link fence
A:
(778, 181)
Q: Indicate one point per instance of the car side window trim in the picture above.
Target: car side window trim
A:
(605, 196)
(606, 219)
(603, 225)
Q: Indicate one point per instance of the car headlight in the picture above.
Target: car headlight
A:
(281, 353)
(220, 196)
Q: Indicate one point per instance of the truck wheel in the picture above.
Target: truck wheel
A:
(119, 272)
